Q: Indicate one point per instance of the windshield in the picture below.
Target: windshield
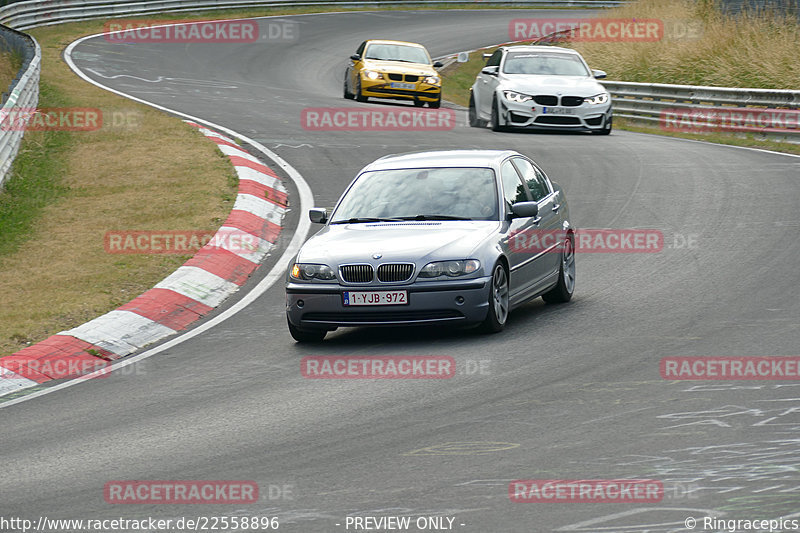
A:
(421, 194)
(397, 52)
(544, 64)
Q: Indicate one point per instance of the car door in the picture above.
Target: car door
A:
(545, 242)
(485, 85)
(522, 270)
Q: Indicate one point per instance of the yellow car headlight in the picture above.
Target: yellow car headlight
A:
(373, 75)
(433, 80)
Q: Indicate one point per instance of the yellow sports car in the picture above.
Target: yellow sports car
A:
(393, 69)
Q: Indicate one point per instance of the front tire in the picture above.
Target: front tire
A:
(360, 95)
(496, 126)
(436, 104)
(498, 301)
(347, 94)
(563, 290)
(474, 121)
(306, 335)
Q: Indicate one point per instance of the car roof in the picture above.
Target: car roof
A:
(442, 158)
(385, 41)
(540, 48)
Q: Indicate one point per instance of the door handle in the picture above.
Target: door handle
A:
(556, 207)
(536, 220)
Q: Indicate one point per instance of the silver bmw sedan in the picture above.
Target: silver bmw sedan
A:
(456, 237)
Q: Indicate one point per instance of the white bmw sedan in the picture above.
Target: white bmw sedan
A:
(542, 87)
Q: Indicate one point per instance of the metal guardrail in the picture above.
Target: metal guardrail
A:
(772, 113)
(23, 94)
(25, 15)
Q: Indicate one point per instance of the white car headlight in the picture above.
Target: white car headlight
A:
(517, 97)
(308, 272)
(432, 80)
(449, 268)
(372, 75)
(601, 98)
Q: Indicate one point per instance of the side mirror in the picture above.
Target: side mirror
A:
(599, 74)
(438, 64)
(355, 57)
(524, 209)
(491, 71)
(318, 215)
(486, 56)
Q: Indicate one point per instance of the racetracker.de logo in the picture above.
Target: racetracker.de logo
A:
(586, 491)
(51, 119)
(178, 31)
(180, 492)
(179, 242)
(690, 120)
(357, 119)
(588, 29)
(62, 368)
(378, 367)
(598, 241)
(731, 368)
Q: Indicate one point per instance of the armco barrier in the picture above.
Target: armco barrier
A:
(648, 102)
(22, 94)
(23, 15)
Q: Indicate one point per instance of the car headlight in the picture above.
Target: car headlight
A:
(308, 272)
(372, 75)
(601, 98)
(449, 268)
(432, 80)
(517, 97)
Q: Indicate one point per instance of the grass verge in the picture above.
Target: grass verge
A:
(9, 67)
(701, 46)
(143, 170)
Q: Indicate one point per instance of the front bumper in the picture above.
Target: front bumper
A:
(383, 89)
(585, 117)
(429, 303)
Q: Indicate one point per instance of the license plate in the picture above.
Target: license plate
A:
(375, 298)
(400, 85)
(558, 111)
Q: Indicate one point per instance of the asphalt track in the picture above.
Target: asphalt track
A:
(566, 392)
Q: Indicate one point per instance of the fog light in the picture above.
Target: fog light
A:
(300, 304)
(459, 300)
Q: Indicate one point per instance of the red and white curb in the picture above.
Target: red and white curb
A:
(215, 272)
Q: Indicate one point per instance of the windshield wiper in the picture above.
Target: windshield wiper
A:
(433, 217)
(356, 220)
